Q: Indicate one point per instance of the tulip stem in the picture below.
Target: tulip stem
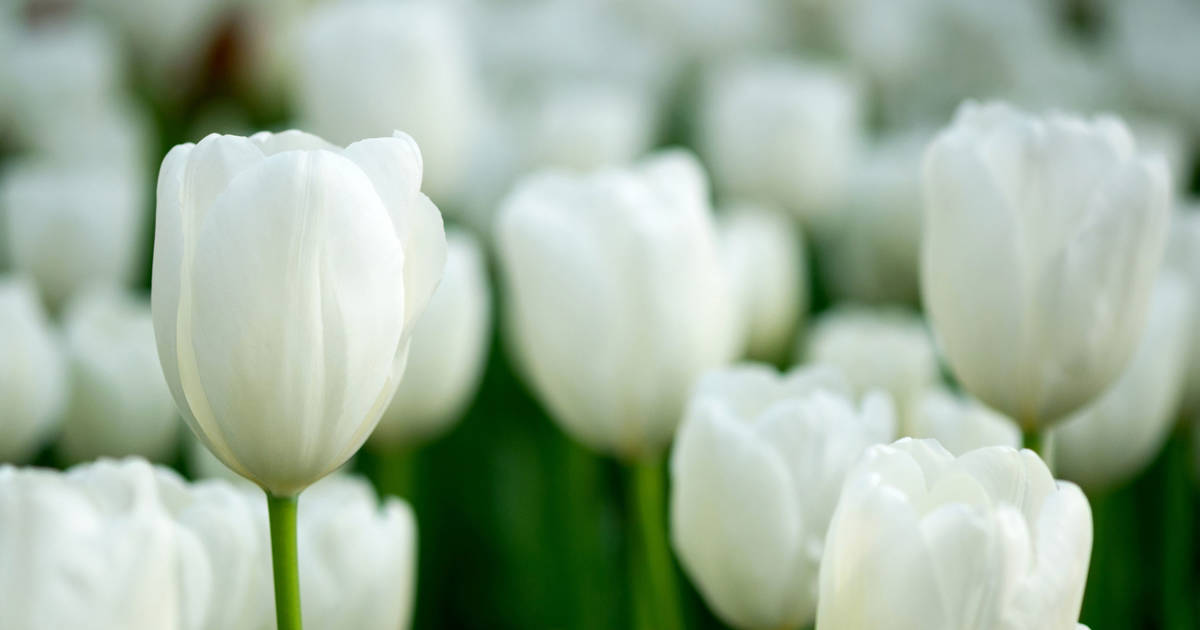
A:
(656, 595)
(281, 511)
(1041, 442)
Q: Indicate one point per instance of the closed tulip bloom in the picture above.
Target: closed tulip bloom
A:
(922, 540)
(959, 423)
(781, 132)
(617, 298)
(449, 345)
(1183, 256)
(32, 376)
(755, 475)
(1043, 236)
(1115, 437)
(72, 227)
(370, 67)
(885, 348)
(764, 255)
(288, 275)
(119, 402)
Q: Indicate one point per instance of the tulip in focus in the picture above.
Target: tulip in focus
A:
(756, 473)
(1043, 236)
(764, 254)
(921, 540)
(1115, 437)
(617, 299)
(446, 358)
(32, 375)
(119, 402)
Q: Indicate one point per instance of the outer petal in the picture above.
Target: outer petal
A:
(302, 239)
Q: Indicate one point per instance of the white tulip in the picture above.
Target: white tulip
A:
(449, 347)
(764, 255)
(1183, 255)
(885, 348)
(32, 376)
(1115, 437)
(922, 540)
(288, 275)
(588, 125)
(755, 476)
(959, 423)
(73, 227)
(781, 132)
(119, 401)
(357, 558)
(370, 67)
(1043, 236)
(617, 298)
(870, 248)
(86, 550)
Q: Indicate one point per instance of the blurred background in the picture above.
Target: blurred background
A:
(813, 112)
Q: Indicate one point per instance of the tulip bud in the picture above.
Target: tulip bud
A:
(1117, 435)
(1183, 256)
(32, 377)
(764, 255)
(959, 423)
(119, 401)
(781, 133)
(617, 301)
(371, 67)
(287, 278)
(921, 540)
(73, 227)
(449, 346)
(1042, 240)
(886, 348)
(755, 476)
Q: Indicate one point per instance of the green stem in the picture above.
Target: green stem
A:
(281, 511)
(656, 595)
(1041, 442)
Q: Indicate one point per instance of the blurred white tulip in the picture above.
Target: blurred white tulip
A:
(32, 375)
(367, 68)
(579, 125)
(921, 540)
(755, 475)
(119, 401)
(1115, 437)
(287, 278)
(85, 550)
(764, 255)
(1183, 256)
(357, 558)
(886, 348)
(959, 423)
(616, 295)
(870, 248)
(700, 30)
(449, 346)
(782, 132)
(1043, 236)
(73, 227)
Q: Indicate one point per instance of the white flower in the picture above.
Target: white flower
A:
(370, 67)
(617, 299)
(764, 255)
(449, 347)
(960, 424)
(119, 401)
(886, 348)
(72, 227)
(755, 475)
(588, 125)
(1042, 239)
(32, 376)
(781, 132)
(1113, 438)
(921, 540)
(288, 275)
